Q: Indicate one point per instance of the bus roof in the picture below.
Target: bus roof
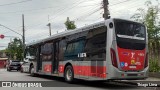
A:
(70, 32)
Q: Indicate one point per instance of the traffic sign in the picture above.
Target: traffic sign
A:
(1, 36)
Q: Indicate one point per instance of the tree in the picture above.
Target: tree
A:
(15, 49)
(70, 25)
(150, 17)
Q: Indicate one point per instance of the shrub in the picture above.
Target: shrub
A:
(153, 65)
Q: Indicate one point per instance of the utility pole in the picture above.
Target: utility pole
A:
(49, 25)
(23, 36)
(106, 14)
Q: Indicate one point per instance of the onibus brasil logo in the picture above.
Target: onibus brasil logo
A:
(21, 84)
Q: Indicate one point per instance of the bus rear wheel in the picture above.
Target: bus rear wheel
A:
(69, 74)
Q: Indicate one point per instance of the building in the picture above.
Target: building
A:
(3, 62)
(3, 59)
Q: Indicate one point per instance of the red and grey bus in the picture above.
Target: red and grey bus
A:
(114, 49)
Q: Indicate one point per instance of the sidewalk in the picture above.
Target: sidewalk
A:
(2, 69)
(152, 79)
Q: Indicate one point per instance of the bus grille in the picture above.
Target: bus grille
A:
(132, 75)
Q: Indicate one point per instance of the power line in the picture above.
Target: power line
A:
(76, 5)
(64, 10)
(61, 9)
(70, 8)
(120, 2)
(85, 12)
(116, 3)
(44, 33)
(133, 5)
(112, 4)
(6, 32)
(39, 9)
(11, 30)
(15, 3)
(88, 14)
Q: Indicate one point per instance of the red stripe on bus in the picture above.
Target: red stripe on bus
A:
(92, 71)
(47, 68)
(61, 69)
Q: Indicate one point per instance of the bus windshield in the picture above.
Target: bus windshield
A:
(30, 51)
(130, 35)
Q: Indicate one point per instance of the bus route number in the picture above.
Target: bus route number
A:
(82, 55)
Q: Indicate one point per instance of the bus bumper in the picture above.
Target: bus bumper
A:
(116, 74)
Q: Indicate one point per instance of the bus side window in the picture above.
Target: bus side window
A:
(69, 49)
(73, 49)
(95, 46)
(46, 51)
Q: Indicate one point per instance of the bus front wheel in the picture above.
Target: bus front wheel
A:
(69, 74)
(32, 71)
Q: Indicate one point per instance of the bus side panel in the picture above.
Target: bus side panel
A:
(92, 70)
(46, 67)
(87, 70)
(61, 68)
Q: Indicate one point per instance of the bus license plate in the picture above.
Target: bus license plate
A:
(132, 66)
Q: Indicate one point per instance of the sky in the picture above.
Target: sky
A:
(38, 13)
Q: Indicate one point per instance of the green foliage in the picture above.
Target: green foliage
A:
(153, 66)
(70, 24)
(15, 49)
(151, 19)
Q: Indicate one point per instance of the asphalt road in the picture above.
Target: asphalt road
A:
(60, 84)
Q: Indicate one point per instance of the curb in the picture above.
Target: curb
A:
(154, 74)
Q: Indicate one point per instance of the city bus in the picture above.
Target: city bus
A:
(114, 49)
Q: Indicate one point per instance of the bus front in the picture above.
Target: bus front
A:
(128, 50)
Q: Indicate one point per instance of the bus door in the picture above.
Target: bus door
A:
(55, 60)
(39, 59)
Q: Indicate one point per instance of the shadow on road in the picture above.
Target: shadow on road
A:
(60, 82)
(13, 71)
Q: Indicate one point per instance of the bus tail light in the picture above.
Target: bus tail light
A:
(146, 61)
(113, 58)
